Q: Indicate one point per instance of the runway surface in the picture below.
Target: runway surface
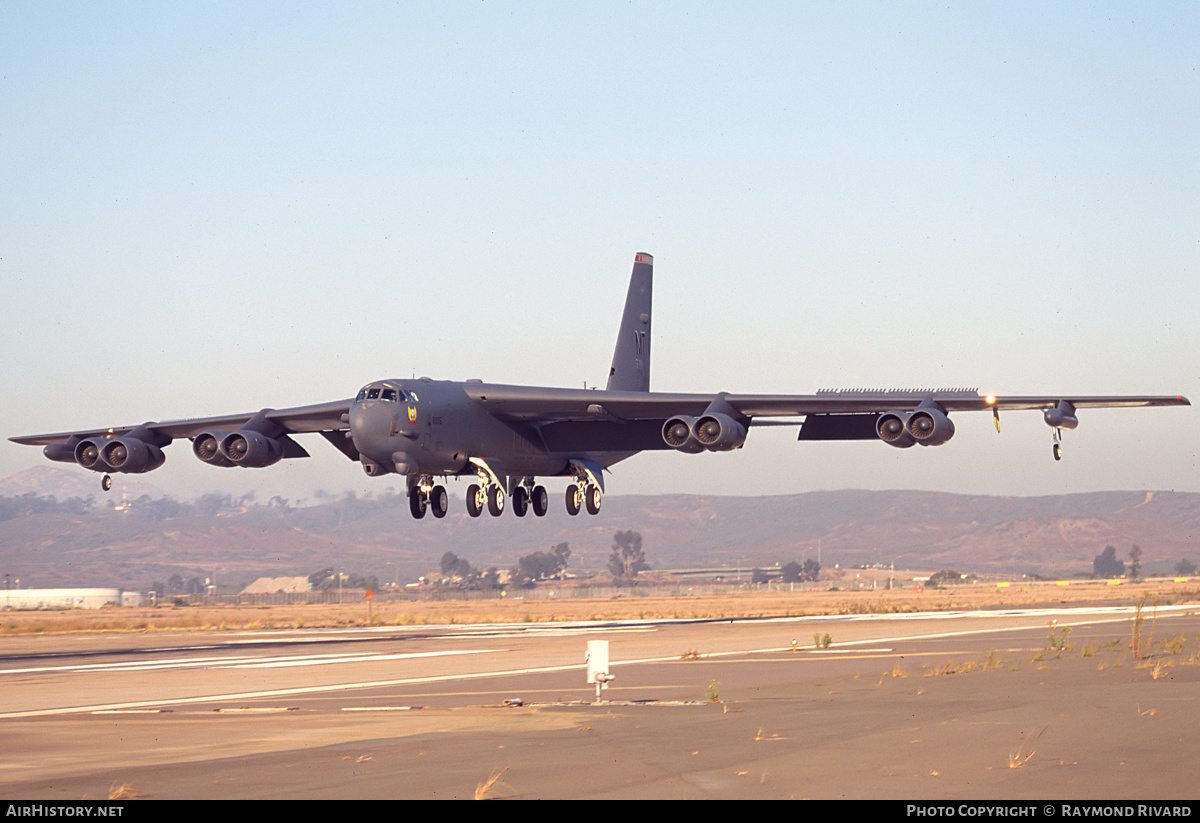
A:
(1047, 704)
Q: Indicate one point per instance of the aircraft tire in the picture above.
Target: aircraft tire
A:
(540, 501)
(520, 501)
(473, 506)
(439, 501)
(416, 504)
(592, 498)
(106, 482)
(495, 501)
(573, 500)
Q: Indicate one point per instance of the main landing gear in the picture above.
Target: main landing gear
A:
(424, 495)
(527, 495)
(583, 495)
(586, 491)
(489, 495)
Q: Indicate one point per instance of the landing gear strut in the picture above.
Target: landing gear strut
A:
(1056, 449)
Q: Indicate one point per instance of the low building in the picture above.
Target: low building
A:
(69, 598)
(277, 585)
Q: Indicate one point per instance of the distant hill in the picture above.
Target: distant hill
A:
(155, 537)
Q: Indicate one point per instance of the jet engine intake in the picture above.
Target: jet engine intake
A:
(892, 428)
(677, 433)
(719, 432)
(929, 426)
(207, 446)
(251, 449)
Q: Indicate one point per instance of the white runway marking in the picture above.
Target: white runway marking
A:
(256, 662)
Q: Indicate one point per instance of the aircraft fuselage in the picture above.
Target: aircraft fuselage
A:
(432, 427)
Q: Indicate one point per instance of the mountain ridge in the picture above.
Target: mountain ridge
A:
(131, 542)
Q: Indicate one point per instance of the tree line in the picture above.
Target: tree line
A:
(1108, 565)
(793, 572)
(627, 559)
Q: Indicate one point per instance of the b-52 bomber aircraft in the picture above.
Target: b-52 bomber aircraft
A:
(507, 436)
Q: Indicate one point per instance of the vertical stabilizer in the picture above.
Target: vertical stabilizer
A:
(631, 358)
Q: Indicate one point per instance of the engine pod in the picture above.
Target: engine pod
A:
(677, 433)
(892, 428)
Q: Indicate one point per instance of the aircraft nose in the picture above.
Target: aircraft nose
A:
(373, 428)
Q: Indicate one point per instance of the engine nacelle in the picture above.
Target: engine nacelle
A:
(251, 449)
(124, 454)
(677, 433)
(207, 447)
(133, 456)
(1061, 416)
(930, 427)
(719, 432)
(892, 428)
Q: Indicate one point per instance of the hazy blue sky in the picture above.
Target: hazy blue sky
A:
(213, 207)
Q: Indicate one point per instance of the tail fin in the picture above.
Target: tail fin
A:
(631, 358)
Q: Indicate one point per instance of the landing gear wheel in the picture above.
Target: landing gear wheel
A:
(574, 499)
(495, 500)
(520, 501)
(439, 501)
(1057, 451)
(416, 503)
(540, 501)
(106, 482)
(474, 500)
(593, 499)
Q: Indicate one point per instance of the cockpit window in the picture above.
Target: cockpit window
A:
(387, 394)
(412, 396)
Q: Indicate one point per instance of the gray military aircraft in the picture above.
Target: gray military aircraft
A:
(507, 436)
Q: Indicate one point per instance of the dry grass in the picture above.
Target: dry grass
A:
(1019, 756)
(125, 791)
(647, 604)
(493, 788)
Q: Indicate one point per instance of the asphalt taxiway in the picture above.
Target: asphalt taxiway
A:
(1004, 705)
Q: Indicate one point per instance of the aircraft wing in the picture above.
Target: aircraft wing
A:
(527, 404)
(315, 418)
(587, 420)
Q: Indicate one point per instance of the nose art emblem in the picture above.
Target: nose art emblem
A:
(412, 414)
